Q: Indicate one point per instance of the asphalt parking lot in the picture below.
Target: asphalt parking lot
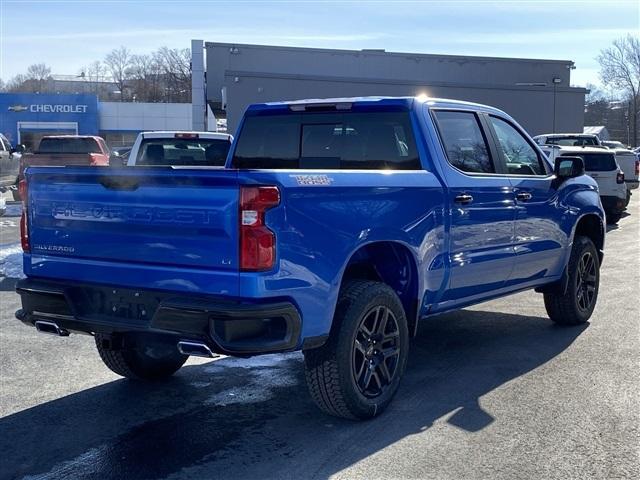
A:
(494, 391)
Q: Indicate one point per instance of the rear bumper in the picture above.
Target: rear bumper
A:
(613, 204)
(231, 327)
(632, 183)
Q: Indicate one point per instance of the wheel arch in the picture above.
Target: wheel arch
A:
(390, 262)
(592, 226)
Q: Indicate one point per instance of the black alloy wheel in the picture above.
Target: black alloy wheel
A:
(376, 351)
(586, 281)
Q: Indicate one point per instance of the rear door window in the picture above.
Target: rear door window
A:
(464, 141)
(350, 140)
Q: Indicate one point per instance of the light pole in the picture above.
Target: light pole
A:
(556, 81)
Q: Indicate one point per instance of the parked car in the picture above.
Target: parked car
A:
(180, 149)
(65, 150)
(337, 225)
(628, 162)
(9, 166)
(614, 144)
(601, 165)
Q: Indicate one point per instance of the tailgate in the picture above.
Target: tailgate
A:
(161, 227)
(627, 163)
(56, 159)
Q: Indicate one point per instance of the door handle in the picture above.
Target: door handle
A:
(463, 198)
(523, 196)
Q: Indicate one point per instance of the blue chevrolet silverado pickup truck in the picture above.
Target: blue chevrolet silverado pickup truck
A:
(335, 227)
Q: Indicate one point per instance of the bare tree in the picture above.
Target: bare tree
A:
(175, 66)
(161, 76)
(620, 68)
(18, 84)
(38, 71)
(96, 72)
(34, 81)
(146, 79)
(118, 63)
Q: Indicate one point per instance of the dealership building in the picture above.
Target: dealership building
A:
(227, 77)
(537, 93)
(26, 117)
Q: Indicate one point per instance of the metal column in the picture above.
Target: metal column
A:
(198, 94)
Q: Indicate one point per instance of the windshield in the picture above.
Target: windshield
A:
(576, 141)
(68, 145)
(201, 152)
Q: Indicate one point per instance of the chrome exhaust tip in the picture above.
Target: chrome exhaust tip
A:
(51, 328)
(195, 349)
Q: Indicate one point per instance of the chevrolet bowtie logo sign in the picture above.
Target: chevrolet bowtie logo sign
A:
(18, 108)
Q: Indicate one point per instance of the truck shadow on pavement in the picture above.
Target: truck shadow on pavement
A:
(253, 418)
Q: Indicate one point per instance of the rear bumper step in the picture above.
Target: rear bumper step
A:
(222, 326)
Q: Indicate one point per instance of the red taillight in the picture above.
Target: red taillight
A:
(620, 177)
(637, 167)
(257, 242)
(22, 191)
(24, 225)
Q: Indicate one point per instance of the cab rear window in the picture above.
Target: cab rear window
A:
(597, 162)
(68, 145)
(350, 140)
(183, 152)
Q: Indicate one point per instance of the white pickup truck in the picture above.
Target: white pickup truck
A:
(180, 149)
(552, 143)
(628, 161)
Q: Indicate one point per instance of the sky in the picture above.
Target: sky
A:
(67, 35)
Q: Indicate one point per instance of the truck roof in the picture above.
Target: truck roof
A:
(585, 150)
(71, 136)
(589, 135)
(382, 101)
(173, 133)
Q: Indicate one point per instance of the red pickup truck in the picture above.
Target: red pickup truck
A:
(60, 150)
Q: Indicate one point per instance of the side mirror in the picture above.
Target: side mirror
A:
(18, 149)
(568, 167)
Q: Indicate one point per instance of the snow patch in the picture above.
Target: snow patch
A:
(85, 464)
(13, 210)
(11, 261)
(267, 372)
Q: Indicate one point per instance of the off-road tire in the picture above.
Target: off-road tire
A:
(329, 369)
(135, 363)
(565, 309)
